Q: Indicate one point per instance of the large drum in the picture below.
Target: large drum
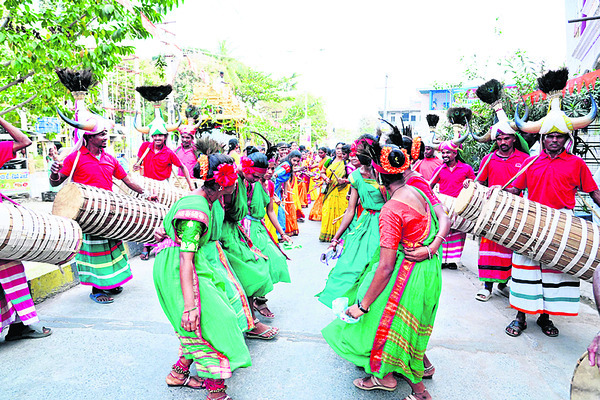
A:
(167, 193)
(33, 236)
(555, 238)
(111, 215)
(585, 384)
(458, 222)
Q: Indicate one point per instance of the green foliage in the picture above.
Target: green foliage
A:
(41, 36)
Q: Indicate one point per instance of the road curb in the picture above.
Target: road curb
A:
(53, 281)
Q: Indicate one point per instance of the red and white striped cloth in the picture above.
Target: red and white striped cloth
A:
(452, 248)
(15, 298)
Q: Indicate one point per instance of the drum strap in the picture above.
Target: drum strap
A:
(143, 156)
(483, 167)
(74, 166)
(592, 209)
(521, 172)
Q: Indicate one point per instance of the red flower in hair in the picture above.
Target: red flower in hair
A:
(353, 150)
(225, 175)
(246, 164)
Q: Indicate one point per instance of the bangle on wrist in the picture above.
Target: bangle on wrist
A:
(441, 237)
(361, 308)
(54, 180)
(428, 252)
(190, 310)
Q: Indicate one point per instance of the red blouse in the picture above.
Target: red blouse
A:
(401, 223)
(421, 184)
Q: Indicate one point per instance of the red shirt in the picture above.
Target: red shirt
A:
(93, 171)
(158, 165)
(554, 181)
(451, 180)
(187, 158)
(499, 170)
(6, 152)
(427, 166)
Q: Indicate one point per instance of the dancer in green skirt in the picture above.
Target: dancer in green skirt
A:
(397, 297)
(192, 295)
(250, 265)
(362, 240)
(258, 201)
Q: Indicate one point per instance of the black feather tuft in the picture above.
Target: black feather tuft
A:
(407, 131)
(490, 91)
(395, 136)
(154, 93)
(459, 115)
(208, 146)
(553, 80)
(76, 81)
(432, 120)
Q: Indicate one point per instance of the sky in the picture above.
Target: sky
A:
(343, 50)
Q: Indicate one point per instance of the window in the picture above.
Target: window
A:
(413, 118)
(393, 118)
(405, 116)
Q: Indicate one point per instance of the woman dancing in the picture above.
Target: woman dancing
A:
(191, 295)
(397, 298)
(334, 200)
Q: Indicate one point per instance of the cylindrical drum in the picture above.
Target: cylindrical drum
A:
(167, 193)
(585, 384)
(34, 236)
(458, 222)
(553, 237)
(111, 215)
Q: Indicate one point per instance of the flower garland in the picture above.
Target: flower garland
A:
(415, 150)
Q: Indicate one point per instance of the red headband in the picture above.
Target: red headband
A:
(249, 168)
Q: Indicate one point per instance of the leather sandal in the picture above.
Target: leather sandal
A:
(517, 328)
(376, 384)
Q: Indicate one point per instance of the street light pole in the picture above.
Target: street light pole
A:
(385, 98)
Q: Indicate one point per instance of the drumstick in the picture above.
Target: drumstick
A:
(588, 205)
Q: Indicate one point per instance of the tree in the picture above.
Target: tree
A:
(36, 37)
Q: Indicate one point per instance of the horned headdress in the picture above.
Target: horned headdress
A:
(556, 121)
(85, 122)
(156, 94)
(491, 93)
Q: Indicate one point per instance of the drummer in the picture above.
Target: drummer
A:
(102, 263)
(156, 161)
(16, 305)
(551, 178)
(502, 163)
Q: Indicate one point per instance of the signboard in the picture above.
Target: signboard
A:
(14, 181)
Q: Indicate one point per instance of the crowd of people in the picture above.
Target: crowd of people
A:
(221, 248)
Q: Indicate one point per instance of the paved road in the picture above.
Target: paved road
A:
(125, 350)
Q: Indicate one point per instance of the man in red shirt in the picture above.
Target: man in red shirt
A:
(496, 169)
(17, 310)
(552, 178)
(101, 263)
(430, 163)
(156, 161)
(451, 176)
(186, 151)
